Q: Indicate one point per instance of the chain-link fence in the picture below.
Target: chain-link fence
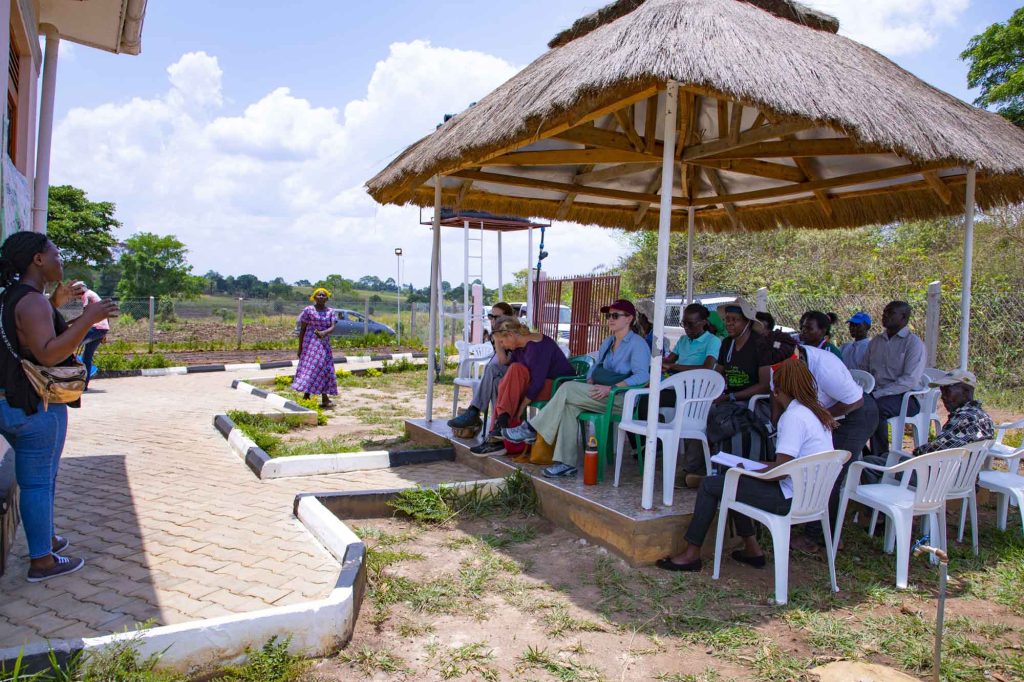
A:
(996, 348)
(224, 323)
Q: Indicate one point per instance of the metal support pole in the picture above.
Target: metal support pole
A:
(529, 278)
(465, 280)
(152, 320)
(42, 181)
(501, 277)
(689, 254)
(435, 294)
(398, 303)
(238, 330)
(366, 317)
(660, 291)
(931, 325)
(965, 280)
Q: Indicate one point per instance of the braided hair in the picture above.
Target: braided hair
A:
(795, 380)
(17, 253)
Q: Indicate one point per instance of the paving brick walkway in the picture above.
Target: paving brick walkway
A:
(171, 523)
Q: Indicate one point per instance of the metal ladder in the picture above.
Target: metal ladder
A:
(473, 247)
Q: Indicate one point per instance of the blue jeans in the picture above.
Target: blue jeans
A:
(37, 442)
(92, 342)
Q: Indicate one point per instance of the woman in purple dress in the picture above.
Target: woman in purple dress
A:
(315, 373)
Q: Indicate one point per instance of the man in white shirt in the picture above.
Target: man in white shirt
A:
(896, 359)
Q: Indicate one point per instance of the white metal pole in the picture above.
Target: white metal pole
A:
(465, 280)
(42, 181)
(529, 277)
(398, 301)
(435, 294)
(501, 278)
(689, 254)
(660, 291)
(965, 286)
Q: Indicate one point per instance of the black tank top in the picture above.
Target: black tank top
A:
(15, 384)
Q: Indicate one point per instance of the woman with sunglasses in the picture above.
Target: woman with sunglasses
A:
(623, 360)
(487, 390)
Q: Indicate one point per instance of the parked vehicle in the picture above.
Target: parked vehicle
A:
(564, 318)
(350, 323)
(713, 301)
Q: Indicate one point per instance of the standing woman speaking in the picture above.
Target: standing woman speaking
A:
(315, 371)
(34, 330)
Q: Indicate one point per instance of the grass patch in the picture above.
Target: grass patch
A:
(509, 536)
(369, 661)
(442, 504)
(270, 663)
(107, 361)
(454, 662)
(563, 668)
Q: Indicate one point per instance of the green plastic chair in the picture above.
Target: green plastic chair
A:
(581, 364)
(604, 425)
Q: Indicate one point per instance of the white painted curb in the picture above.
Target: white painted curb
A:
(311, 465)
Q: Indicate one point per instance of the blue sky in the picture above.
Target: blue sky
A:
(184, 138)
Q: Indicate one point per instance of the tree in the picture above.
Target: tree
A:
(336, 284)
(303, 283)
(278, 288)
(996, 58)
(82, 229)
(155, 265)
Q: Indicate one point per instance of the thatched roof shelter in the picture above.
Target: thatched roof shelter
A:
(781, 121)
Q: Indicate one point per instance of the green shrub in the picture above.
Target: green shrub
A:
(374, 372)
(271, 663)
(118, 362)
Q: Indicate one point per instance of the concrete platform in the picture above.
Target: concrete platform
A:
(603, 514)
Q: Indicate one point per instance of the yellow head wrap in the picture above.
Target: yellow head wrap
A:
(316, 291)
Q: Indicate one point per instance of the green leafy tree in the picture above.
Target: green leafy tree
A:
(336, 284)
(155, 265)
(996, 58)
(82, 229)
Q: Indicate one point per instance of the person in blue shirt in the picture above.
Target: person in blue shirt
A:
(697, 348)
(623, 360)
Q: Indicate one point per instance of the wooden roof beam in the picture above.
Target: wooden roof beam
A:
(644, 206)
(735, 123)
(830, 146)
(550, 185)
(563, 208)
(939, 186)
(761, 169)
(830, 183)
(593, 136)
(572, 157)
(614, 172)
(719, 187)
(463, 190)
(625, 120)
(746, 138)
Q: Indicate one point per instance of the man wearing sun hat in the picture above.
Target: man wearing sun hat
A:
(967, 422)
(854, 351)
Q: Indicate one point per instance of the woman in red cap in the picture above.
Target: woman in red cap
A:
(623, 360)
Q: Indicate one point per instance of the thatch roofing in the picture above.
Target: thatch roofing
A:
(782, 122)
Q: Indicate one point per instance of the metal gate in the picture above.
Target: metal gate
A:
(582, 325)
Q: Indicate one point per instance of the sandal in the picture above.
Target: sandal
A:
(755, 561)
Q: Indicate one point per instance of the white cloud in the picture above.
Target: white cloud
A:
(278, 189)
(894, 27)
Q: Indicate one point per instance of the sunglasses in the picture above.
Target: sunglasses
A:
(614, 316)
(492, 316)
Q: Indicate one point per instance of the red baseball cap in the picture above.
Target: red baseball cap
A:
(623, 306)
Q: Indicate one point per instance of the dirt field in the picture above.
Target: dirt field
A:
(519, 599)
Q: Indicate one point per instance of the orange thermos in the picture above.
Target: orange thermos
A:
(590, 462)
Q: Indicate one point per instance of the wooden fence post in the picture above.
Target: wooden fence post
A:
(238, 330)
(366, 316)
(762, 300)
(152, 318)
(931, 328)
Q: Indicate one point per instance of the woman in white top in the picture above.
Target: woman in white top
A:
(805, 428)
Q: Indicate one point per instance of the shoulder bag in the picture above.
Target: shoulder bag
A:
(60, 385)
(604, 376)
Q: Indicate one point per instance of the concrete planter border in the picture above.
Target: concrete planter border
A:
(317, 628)
(266, 467)
(250, 366)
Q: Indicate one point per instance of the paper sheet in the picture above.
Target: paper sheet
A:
(729, 460)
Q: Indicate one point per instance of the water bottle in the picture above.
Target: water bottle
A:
(590, 462)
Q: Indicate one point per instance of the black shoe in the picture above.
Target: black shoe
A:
(755, 561)
(468, 419)
(668, 565)
(486, 448)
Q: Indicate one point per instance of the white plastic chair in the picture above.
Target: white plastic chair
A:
(935, 474)
(473, 358)
(963, 487)
(927, 399)
(813, 477)
(863, 379)
(688, 420)
(931, 374)
(1009, 484)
